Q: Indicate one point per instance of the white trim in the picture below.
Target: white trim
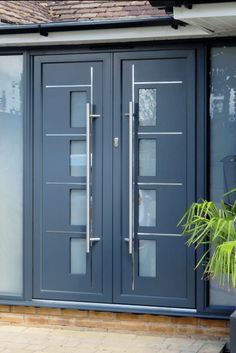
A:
(102, 36)
(224, 9)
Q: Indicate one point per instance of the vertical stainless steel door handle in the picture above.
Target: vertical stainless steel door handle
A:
(131, 185)
(89, 165)
(88, 177)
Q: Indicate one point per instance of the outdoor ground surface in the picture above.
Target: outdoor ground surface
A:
(21, 339)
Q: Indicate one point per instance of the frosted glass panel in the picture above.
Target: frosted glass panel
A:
(78, 207)
(11, 175)
(147, 107)
(221, 295)
(78, 256)
(78, 158)
(147, 157)
(78, 109)
(147, 258)
(222, 144)
(147, 208)
(222, 119)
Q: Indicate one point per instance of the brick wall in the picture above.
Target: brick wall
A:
(153, 324)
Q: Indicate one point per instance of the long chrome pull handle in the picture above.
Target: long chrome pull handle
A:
(131, 187)
(88, 177)
(89, 164)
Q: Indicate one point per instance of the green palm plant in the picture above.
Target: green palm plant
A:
(213, 226)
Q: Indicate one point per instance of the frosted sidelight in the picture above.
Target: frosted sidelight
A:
(11, 175)
(78, 256)
(147, 258)
(78, 109)
(78, 207)
(222, 144)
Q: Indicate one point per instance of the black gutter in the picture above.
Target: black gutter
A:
(45, 28)
(168, 3)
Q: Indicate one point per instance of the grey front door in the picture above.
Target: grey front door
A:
(114, 171)
(72, 131)
(154, 178)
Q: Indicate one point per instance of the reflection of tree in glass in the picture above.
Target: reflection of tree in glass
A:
(147, 107)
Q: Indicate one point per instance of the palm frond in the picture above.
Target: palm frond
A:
(211, 225)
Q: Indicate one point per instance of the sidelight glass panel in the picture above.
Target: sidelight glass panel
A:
(147, 208)
(147, 258)
(147, 157)
(78, 102)
(78, 256)
(147, 106)
(11, 175)
(78, 207)
(78, 158)
(222, 144)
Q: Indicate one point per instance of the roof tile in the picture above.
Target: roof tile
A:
(23, 12)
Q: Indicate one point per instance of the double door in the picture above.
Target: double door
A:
(114, 162)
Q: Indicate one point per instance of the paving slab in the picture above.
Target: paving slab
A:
(14, 339)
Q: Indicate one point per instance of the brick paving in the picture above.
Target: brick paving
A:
(22, 339)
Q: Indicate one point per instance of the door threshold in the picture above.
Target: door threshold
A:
(136, 309)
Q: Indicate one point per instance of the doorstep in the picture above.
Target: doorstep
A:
(22, 339)
(143, 323)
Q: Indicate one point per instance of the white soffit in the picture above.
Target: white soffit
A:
(218, 18)
(102, 36)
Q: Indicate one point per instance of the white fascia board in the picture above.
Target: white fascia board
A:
(102, 36)
(205, 10)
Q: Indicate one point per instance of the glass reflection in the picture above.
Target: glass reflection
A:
(11, 176)
(147, 106)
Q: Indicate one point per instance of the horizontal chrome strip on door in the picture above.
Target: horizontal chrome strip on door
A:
(162, 184)
(164, 234)
(62, 135)
(64, 231)
(66, 86)
(157, 82)
(160, 133)
(58, 183)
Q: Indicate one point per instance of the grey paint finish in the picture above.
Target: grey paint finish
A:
(174, 182)
(174, 284)
(53, 183)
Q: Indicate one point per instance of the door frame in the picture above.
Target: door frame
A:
(201, 48)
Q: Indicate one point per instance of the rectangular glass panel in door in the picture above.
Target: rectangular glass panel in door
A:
(69, 256)
(147, 157)
(78, 158)
(157, 181)
(78, 102)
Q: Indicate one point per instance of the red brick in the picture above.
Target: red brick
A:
(5, 308)
(48, 311)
